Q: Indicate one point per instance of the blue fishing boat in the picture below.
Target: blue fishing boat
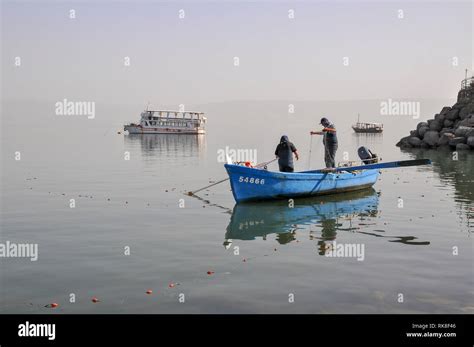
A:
(251, 184)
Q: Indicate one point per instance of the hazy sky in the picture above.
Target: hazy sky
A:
(191, 60)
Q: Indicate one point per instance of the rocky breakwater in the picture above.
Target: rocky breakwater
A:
(452, 128)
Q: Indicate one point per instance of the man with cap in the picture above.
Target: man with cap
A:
(329, 140)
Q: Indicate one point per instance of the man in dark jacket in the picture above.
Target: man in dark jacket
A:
(330, 142)
(284, 153)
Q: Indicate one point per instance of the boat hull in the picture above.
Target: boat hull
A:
(250, 184)
(367, 131)
(136, 129)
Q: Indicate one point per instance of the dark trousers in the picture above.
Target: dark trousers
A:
(330, 155)
(284, 168)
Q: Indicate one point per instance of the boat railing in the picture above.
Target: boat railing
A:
(188, 115)
(368, 125)
(172, 119)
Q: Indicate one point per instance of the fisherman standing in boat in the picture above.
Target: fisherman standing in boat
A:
(284, 153)
(330, 142)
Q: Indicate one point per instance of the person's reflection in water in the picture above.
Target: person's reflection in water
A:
(328, 232)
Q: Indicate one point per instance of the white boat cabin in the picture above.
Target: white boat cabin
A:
(158, 122)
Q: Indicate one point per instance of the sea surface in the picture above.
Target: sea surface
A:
(133, 228)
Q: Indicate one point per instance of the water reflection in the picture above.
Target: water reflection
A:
(407, 240)
(455, 171)
(253, 220)
(167, 145)
(363, 139)
(324, 217)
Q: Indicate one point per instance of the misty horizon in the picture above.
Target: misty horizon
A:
(191, 60)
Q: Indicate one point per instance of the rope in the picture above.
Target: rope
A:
(226, 179)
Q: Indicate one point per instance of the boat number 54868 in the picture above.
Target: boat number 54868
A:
(251, 180)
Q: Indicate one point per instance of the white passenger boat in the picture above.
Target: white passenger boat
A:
(168, 122)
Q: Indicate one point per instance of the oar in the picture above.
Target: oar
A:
(387, 165)
(226, 179)
(310, 149)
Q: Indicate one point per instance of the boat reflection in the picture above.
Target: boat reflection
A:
(167, 145)
(322, 216)
(253, 220)
(367, 139)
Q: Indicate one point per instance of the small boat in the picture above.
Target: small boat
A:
(251, 184)
(168, 122)
(368, 128)
(254, 184)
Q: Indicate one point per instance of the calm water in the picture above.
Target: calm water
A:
(136, 204)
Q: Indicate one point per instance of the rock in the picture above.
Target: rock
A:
(403, 143)
(414, 141)
(422, 131)
(448, 123)
(446, 131)
(452, 126)
(445, 138)
(431, 138)
(424, 145)
(465, 113)
(453, 114)
(470, 141)
(445, 110)
(466, 110)
(421, 124)
(436, 125)
(440, 117)
(464, 131)
(459, 105)
(456, 140)
(469, 133)
(462, 147)
(468, 122)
